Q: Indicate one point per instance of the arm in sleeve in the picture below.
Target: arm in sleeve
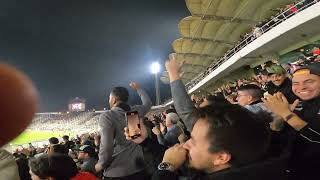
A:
(107, 137)
(183, 104)
(167, 175)
(310, 134)
(146, 103)
(161, 139)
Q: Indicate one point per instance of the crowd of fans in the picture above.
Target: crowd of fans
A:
(71, 121)
(264, 127)
(256, 31)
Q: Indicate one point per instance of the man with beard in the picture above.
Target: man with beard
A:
(118, 157)
(303, 123)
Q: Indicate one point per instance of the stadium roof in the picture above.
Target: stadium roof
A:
(215, 27)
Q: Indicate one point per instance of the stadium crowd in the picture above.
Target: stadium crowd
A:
(263, 127)
(266, 127)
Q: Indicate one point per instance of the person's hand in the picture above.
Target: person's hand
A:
(162, 128)
(278, 104)
(175, 156)
(193, 97)
(173, 67)
(98, 167)
(135, 85)
(156, 131)
(141, 138)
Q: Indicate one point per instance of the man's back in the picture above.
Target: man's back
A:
(127, 157)
(118, 156)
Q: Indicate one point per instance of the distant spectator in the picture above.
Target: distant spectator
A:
(173, 131)
(57, 148)
(280, 82)
(87, 155)
(53, 140)
(68, 144)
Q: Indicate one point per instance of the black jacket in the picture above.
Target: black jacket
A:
(266, 170)
(285, 88)
(305, 149)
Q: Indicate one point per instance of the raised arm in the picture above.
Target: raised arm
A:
(146, 101)
(182, 102)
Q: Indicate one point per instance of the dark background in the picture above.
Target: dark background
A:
(76, 48)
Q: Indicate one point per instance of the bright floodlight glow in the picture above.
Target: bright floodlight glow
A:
(155, 68)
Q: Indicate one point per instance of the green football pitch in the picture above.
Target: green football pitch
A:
(31, 136)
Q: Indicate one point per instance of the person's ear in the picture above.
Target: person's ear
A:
(221, 158)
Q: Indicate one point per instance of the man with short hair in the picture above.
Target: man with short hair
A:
(249, 95)
(53, 140)
(174, 130)
(68, 144)
(87, 155)
(222, 140)
(279, 82)
(118, 157)
(303, 122)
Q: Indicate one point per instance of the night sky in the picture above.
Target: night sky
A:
(77, 48)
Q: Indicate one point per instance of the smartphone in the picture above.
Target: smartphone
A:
(133, 124)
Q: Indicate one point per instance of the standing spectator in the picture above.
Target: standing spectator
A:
(68, 144)
(118, 157)
(53, 140)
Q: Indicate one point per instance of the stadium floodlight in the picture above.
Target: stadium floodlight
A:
(155, 68)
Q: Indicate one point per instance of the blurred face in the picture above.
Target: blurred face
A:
(112, 100)
(168, 122)
(306, 86)
(277, 79)
(204, 103)
(243, 98)
(81, 155)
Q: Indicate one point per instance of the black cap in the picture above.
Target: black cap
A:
(87, 149)
(313, 68)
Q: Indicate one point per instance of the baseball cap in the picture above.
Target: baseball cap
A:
(313, 68)
(275, 69)
(87, 149)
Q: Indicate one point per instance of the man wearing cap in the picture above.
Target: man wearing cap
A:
(173, 131)
(280, 82)
(87, 155)
(304, 122)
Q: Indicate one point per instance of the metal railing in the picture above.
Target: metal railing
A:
(296, 8)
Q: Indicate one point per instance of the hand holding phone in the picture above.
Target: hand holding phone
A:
(133, 124)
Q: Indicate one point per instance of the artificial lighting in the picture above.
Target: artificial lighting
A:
(155, 68)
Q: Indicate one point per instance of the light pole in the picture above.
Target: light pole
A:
(155, 69)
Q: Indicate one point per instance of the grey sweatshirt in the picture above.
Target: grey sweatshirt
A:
(183, 104)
